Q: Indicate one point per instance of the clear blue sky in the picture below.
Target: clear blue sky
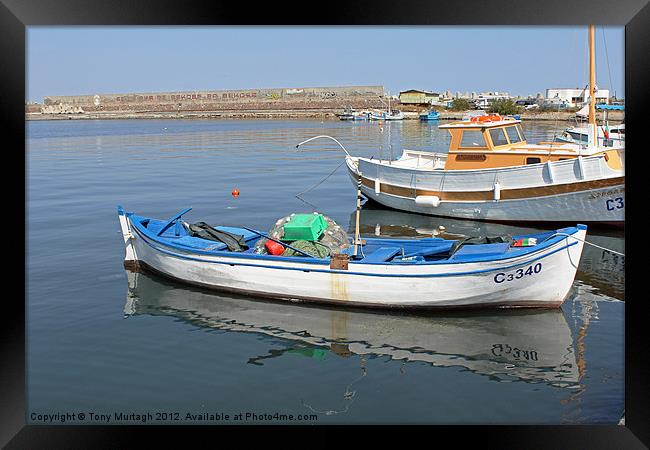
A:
(518, 60)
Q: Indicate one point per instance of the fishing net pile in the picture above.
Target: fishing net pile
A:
(332, 240)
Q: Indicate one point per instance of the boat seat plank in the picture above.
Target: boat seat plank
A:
(382, 254)
(433, 250)
(467, 252)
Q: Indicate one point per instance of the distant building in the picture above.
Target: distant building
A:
(417, 97)
(575, 97)
(484, 100)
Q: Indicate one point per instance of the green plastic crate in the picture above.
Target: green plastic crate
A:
(307, 227)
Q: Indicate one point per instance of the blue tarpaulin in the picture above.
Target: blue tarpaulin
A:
(611, 107)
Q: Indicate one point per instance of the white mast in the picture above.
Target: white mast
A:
(389, 103)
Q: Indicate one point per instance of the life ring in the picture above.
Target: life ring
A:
(490, 118)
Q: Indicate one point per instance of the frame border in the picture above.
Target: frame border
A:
(16, 15)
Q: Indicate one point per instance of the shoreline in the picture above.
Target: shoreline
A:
(563, 116)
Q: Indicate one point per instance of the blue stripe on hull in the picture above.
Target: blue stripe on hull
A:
(149, 241)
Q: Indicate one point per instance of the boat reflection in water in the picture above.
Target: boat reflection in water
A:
(534, 346)
(599, 270)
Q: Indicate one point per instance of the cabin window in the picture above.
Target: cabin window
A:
(472, 139)
(498, 137)
(533, 160)
(513, 136)
(521, 132)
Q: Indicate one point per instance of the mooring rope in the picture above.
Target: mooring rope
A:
(320, 182)
(590, 243)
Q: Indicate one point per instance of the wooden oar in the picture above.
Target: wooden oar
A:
(279, 242)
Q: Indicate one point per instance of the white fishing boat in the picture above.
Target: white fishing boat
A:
(608, 135)
(526, 271)
(496, 345)
(491, 172)
(352, 114)
(394, 114)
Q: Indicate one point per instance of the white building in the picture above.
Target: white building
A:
(485, 99)
(575, 97)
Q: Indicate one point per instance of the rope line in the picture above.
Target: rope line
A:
(590, 243)
(609, 72)
(321, 181)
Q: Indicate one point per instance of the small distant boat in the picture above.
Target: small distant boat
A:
(347, 114)
(361, 115)
(395, 114)
(351, 114)
(430, 115)
(424, 273)
(608, 136)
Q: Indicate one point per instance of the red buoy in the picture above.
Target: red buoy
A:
(235, 192)
(274, 248)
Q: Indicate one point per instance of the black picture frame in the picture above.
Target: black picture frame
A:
(16, 15)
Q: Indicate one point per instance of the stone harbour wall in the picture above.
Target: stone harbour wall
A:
(232, 100)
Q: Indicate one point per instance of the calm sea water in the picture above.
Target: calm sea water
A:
(138, 348)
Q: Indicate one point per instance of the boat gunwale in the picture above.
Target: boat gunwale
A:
(384, 164)
(534, 253)
(372, 274)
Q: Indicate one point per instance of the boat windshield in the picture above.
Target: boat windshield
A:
(513, 136)
(472, 139)
(498, 137)
(521, 132)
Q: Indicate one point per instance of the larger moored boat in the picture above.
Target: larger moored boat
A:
(491, 172)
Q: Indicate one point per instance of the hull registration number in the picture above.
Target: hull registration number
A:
(517, 274)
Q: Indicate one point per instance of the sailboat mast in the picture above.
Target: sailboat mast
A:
(592, 87)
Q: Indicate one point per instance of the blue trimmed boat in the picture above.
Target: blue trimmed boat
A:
(395, 114)
(387, 273)
(430, 115)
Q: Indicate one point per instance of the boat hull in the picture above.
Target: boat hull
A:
(539, 279)
(586, 201)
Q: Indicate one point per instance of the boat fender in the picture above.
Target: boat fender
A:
(581, 167)
(274, 248)
(428, 200)
(377, 186)
(551, 175)
(497, 191)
